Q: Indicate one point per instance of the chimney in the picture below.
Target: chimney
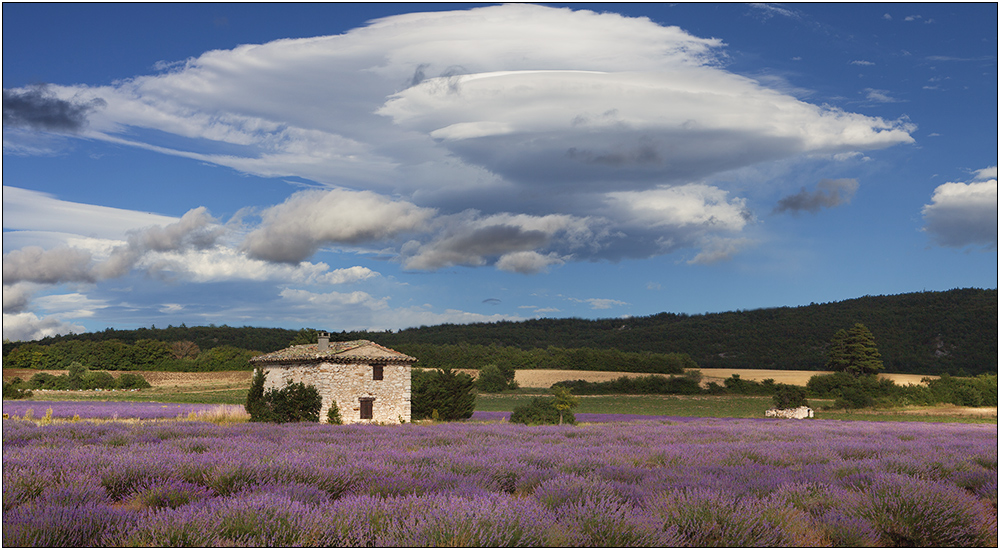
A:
(324, 341)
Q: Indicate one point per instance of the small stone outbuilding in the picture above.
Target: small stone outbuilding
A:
(369, 382)
(798, 413)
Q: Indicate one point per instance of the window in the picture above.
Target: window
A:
(366, 408)
(377, 372)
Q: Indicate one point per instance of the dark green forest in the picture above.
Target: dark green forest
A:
(952, 332)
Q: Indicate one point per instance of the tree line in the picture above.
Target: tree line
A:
(952, 332)
(146, 354)
(475, 356)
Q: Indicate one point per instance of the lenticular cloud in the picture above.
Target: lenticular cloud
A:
(511, 109)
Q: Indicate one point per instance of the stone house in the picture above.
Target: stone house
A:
(369, 382)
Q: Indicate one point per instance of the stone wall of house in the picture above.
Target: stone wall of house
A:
(347, 384)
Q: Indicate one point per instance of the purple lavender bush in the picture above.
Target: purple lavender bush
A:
(701, 482)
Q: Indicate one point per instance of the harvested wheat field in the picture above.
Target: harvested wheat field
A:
(794, 377)
(540, 378)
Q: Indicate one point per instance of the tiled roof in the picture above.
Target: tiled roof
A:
(338, 352)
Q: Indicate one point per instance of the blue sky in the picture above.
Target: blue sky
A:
(382, 166)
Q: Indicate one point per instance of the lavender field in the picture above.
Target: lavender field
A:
(702, 482)
(102, 409)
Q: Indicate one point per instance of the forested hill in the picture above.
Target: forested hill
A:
(926, 332)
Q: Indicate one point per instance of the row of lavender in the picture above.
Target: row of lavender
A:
(698, 483)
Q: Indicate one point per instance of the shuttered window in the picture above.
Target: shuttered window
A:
(366, 408)
(377, 372)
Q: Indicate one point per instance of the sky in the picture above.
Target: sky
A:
(385, 166)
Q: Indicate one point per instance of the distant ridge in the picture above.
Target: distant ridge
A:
(953, 331)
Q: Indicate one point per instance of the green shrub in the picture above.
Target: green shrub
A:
(853, 398)
(967, 396)
(789, 397)
(451, 394)
(987, 386)
(333, 414)
(853, 392)
(255, 405)
(541, 410)
(75, 377)
(12, 390)
(131, 381)
(735, 384)
(295, 402)
(825, 386)
(965, 392)
(97, 380)
(80, 378)
(46, 381)
(491, 380)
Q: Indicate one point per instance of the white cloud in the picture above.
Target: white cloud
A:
(986, 174)
(298, 297)
(527, 262)
(718, 249)
(862, 62)
(188, 248)
(196, 230)
(601, 303)
(881, 96)
(670, 218)
(73, 305)
(26, 326)
(964, 214)
(297, 228)
(770, 10)
(34, 264)
(228, 264)
(689, 205)
(592, 128)
(16, 297)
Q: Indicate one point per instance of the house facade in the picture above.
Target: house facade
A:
(369, 382)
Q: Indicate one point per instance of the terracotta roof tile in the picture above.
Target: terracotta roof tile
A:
(338, 352)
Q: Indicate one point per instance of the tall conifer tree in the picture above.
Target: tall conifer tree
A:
(854, 351)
